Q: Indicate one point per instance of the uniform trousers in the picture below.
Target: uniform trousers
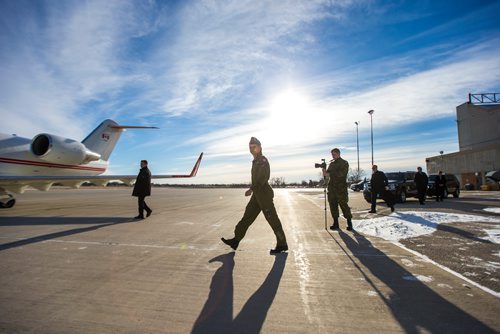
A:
(336, 198)
(261, 200)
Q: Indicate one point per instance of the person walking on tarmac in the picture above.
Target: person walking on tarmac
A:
(261, 200)
(142, 188)
(421, 181)
(337, 189)
(380, 186)
(440, 185)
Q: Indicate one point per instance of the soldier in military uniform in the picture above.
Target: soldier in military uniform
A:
(261, 200)
(337, 189)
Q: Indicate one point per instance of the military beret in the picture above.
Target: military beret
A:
(254, 140)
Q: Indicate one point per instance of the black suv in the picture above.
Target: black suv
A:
(452, 185)
(401, 185)
(358, 186)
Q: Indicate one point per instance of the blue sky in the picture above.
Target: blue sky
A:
(211, 74)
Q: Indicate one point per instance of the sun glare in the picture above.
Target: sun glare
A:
(288, 104)
(290, 115)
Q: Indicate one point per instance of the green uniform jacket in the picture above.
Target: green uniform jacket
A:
(260, 173)
(338, 170)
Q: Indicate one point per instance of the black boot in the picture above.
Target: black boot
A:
(233, 243)
(335, 225)
(349, 224)
(279, 249)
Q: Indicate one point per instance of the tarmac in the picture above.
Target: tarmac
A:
(74, 261)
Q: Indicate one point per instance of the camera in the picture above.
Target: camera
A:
(321, 165)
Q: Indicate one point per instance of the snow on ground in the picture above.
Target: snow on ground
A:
(408, 224)
(493, 235)
(494, 210)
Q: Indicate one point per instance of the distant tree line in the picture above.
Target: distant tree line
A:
(276, 182)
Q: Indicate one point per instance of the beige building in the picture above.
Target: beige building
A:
(479, 143)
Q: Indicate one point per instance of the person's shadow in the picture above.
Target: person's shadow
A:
(97, 223)
(217, 313)
(414, 305)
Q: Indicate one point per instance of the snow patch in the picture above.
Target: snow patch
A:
(408, 263)
(409, 224)
(494, 210)
(493, 236)
(491, 264)
(420, 278)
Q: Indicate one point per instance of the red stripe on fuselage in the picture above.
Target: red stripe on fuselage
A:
(49, 165)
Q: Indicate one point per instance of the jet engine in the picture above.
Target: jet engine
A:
(61, 150)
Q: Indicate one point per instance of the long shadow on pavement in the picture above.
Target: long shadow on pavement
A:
(217, 313)
(98, 222)
(58, 220)
(415, 306)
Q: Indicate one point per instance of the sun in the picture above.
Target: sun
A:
(288, 105)
(289, 114)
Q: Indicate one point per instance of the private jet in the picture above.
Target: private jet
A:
(47, 159)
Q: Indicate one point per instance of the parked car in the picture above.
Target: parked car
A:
(358, 186)
(452, 185)
(401, 185)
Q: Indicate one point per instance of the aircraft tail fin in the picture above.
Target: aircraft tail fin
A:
(104, 138)
(196, 166)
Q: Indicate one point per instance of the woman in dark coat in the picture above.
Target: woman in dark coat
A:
(142, 188)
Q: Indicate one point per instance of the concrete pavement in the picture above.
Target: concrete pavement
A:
(74, 261)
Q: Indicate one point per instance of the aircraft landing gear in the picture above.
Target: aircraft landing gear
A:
(7, 201)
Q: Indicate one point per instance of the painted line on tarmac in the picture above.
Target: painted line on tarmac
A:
(427, 259)
(102, 243)
(181, 247)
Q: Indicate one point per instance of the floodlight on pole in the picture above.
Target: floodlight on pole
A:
(371, 126)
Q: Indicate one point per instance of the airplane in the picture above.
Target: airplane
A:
(47, 159)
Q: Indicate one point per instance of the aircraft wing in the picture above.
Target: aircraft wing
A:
(18, 184)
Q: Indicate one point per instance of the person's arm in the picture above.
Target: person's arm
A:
(386, 182)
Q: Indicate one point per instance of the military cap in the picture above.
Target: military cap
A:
(254, 140)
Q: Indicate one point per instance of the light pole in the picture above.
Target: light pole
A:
(357, 143)
(371, 124)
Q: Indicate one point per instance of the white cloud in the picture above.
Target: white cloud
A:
(59, 62)
(222, 49)
(423, 96)
(297, 138)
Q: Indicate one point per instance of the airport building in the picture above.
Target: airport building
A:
(478, 125)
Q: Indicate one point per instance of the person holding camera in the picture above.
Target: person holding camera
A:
(337, 189)
(380, 186)
(261, 200)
